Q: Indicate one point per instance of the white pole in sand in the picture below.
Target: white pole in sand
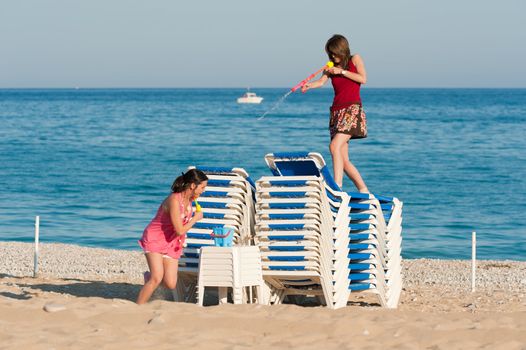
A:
(37, 232)
(473, 259)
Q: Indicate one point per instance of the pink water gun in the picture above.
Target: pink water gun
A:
(306, 80)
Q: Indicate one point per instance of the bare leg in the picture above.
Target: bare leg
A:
(155, 263)
(336, 147)
(170, 272)
(352, 172)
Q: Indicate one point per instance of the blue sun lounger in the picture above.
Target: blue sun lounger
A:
(303, 241)
(374, 223)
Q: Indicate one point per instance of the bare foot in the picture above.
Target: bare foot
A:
(363, 190)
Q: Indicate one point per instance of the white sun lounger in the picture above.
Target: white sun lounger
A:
(374, 250)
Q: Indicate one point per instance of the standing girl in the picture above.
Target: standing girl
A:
(163, 239)
(347, 116)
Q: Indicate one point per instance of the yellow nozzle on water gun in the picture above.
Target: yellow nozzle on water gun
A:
(197, 206)
(330, 64)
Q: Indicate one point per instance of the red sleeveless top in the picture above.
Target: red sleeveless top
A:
(346, 91)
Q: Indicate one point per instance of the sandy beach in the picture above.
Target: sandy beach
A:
(83, 298)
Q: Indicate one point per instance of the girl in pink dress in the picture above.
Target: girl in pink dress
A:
(163, 239)
(347, 118)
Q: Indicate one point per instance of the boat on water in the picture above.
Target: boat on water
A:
(250, 97)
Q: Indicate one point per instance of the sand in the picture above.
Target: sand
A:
(88, 294)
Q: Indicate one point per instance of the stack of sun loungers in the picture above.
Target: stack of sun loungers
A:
(299, 217)
(227, 202)
(375, 248)
(303, 245)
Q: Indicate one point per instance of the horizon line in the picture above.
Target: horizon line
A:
(245, 88)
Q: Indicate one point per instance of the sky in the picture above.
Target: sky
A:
(267, 43)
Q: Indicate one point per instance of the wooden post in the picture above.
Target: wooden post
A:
(473, 259)
(37, 232)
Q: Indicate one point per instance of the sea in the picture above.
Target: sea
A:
(94, 164)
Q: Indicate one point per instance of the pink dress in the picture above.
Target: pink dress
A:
(160, 236)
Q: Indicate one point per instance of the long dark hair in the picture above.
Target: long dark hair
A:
(183, 181)
(338, 46)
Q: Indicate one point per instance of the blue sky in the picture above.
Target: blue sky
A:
(160, 43)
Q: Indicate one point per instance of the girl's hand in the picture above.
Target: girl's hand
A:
(305, 87)
(335, 70)
(198, 215)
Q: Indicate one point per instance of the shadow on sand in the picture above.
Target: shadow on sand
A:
(74, 287)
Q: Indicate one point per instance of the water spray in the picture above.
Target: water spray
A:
(329, 64)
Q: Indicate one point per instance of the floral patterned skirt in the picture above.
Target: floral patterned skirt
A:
(350, 120)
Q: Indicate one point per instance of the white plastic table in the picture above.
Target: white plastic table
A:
(230, 267)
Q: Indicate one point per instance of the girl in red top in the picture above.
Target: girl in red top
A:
(347, 116)
(163, 239)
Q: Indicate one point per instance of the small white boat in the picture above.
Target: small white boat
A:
(249, 97)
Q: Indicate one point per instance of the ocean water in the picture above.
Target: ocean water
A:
(94, 164)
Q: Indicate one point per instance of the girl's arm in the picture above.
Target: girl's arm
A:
(175, 216)
(359, 77)
(315, 84)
